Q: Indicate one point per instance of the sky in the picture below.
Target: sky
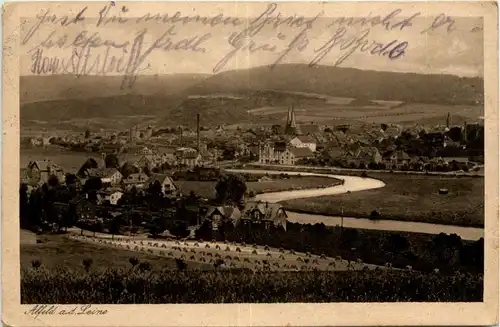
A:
(458, 51)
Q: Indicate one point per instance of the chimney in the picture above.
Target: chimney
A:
(198, 132)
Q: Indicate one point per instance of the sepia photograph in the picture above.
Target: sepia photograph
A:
(253, 154)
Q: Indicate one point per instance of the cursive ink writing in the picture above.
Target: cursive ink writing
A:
(82, 40)
(105, 17)
(93, 54)
(439, 21)
(45, 309)
(349, 44)
(48, 17)
(389, 22)
(242, 41)
(178, 17)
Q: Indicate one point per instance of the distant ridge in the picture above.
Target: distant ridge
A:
(168, 99)
(61, 87)
(348, 82)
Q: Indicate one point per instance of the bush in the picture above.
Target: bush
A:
(374, 214)
(36, 264)
(133, 261)
(181, 265)
(144, 266)
(87, 263)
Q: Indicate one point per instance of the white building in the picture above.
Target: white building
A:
(304, 141)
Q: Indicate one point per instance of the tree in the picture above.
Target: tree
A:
(111, 161)
(204, 232)
(90, 163)
(230, 188)
(181, 265)
(133, 261)
(23, 205)
(53, 181)
(114, 228)
(92, 185)
(128, 169)
(70, 179)
(180, 230)
(154, 189)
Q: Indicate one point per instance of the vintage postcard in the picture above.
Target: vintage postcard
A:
(250, 164)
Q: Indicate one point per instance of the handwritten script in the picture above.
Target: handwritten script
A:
(86, 43)
(52, 309)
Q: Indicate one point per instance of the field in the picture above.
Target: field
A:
(230, 254)
(60, 252)
(207, 189)
(234, 286)
(409, 198)
(405, 114)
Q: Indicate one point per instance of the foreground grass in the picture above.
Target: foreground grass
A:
(57, 251)
(237, 286)
(408, 198)
(207, 189)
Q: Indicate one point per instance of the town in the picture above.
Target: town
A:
(165, 191)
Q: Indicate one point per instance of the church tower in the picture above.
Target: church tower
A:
(291, 124)
(448, 121)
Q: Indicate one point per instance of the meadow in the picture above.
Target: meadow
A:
(59, 252)
(407, 198)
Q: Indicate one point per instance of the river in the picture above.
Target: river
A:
(354, 184)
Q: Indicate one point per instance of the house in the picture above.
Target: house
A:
(418, 163)
(138, 180)
(362, 157)
(41, 170)
(167, 184)
(365, 156)
(84, 209)
(308, 129)
(266, 153)
(27, 179)
(188, 157)
(294, 154)
(107, 175)
(280, 152)
(397, 159)
(264, 213)
(147, 162)
(220, 214)
(111, 195)
(458, 162)
(304, 141)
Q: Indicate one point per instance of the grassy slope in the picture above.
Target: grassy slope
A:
(57, 251)
(408, 197)
(207, 189)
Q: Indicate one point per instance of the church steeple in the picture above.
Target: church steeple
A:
(448, 120)
(291, 124)
(292, 119)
